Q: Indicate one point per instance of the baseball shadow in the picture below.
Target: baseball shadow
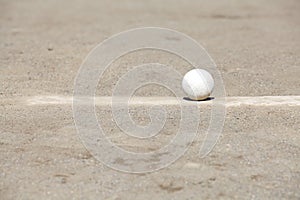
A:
(207, 99)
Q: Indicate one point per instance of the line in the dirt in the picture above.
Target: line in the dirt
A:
(105, 100)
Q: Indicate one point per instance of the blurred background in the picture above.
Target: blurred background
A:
(255, 44)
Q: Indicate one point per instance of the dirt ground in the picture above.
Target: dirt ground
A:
(256, 46)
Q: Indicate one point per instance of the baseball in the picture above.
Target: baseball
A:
(198, 84)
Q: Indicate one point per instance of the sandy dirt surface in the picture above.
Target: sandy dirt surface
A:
(256, 46)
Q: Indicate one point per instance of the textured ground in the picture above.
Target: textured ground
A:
(255, 45)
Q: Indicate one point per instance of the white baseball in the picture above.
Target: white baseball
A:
(198, 84)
